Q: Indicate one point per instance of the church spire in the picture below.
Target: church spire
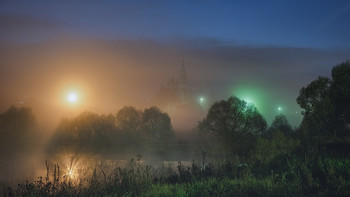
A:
(183, 77)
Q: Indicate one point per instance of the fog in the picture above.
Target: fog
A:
(93, 93)
(113, 74)
(110, 74)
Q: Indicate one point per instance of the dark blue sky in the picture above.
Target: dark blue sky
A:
(312, 24)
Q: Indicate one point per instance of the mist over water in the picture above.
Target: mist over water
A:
(108, 75)
(174, 98)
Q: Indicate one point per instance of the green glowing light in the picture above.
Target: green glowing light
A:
(201, 99)
(269, 100)
(252, 95)
(248, 101)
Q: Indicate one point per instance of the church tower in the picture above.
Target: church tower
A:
(182, 83)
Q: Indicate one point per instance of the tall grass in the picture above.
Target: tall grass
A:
(311, 176)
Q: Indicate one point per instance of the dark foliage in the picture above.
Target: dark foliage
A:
(280, 123)
(130, 131)
(233, 122)
(326, 105)
(17, 128)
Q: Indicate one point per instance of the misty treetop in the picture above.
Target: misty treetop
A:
(234, 117)
(152, 121)
(128, 119)
(233, 122)
(326, 104)
(18, 128)
(17, 119)
(129, 129)
(280, 124)
(156, 123)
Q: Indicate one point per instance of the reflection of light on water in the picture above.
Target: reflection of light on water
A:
(70, 173)
(75, 165)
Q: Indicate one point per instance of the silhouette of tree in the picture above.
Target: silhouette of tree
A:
(156, 124)
(340, 95)
(326, 104)
(86, 132)
(281, 124)
(234, 121)
(129, 130)
(128, 119)
(17, 129)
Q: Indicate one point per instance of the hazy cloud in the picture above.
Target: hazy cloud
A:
(125, 72)
(25, 27)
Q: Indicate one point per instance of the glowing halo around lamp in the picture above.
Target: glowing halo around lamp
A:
(248, 101)
(72, 97)
(201, 100)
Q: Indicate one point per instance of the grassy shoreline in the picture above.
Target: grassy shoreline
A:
(317, 176)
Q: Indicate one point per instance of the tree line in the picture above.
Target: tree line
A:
(128, 131)
(231, 126)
